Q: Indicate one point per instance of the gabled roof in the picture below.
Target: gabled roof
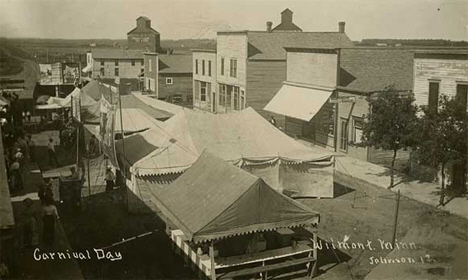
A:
(371, 69)
(287, 26)
(215, 199)
(117, 54)
(175, 63)
(264, 45)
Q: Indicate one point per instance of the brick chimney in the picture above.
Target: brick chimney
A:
(341, 26)
(269, 24)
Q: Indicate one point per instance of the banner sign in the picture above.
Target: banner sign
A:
(107, 132)
(76, 108)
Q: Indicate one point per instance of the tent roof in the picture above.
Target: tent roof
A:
(214, 199)
(240, 136)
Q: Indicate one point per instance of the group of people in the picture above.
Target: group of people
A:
(18, 153)
(31, 215)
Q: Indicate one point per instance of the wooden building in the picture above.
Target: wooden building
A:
(169, 77)
(325, 96)
(143, 36)
(204, 81)
(251, 65)
(440, 72)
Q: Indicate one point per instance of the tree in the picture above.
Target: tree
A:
(391, 123)
(442, 137)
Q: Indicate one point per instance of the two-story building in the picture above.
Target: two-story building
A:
(169, 77)
(251, 65)
(325, 97)
(442, 72)
(204, 81)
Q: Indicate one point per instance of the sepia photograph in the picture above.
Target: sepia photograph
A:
(234, 139)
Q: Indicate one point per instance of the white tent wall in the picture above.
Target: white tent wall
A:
(307, 180)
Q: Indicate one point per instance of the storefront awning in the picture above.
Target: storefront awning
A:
(297, 101)
(88, 68)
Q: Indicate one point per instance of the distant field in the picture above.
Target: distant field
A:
(10, 59)
(64, 50)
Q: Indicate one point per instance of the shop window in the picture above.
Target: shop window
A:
(236, 98)
(222, 95)
(242, 100)
(203, 91)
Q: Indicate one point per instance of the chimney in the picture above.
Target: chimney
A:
(269, 24)
(341, 26)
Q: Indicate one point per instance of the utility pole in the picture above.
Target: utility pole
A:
(396, 219)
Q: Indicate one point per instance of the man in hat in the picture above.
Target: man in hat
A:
(110, 177)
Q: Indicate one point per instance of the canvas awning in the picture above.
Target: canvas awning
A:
(214, 199)
(134, 120)
(298, 101)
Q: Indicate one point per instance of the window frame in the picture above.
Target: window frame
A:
(344, 136)
(464, 99)
(236, 93)
(203, 95)
(133, 62)
(169, 79)
(430, 105)
(203, 67)
(233, 68)
(222, 66)
(196, 66)
(116, 62)
(360, 127)
(116, 72)
(209, 68)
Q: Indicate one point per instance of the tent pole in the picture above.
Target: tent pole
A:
(314, 253)
(212, 261)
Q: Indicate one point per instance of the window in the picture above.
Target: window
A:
(462, 94)
(344, 135)
(116, 62)
(209, 68)
(116, 72)
(228, 96)
(222, 95)
(326, 121)
(203, 91)
(150, 65)
(142, 70)
(102, 71)
(169, 81)
(236, 98)
(233, 68)
(222, 66)
(203, 67)
(102, 62)
(142, 62)
(196, 66)
(242, 100)
(357, 130)
(433, 102)
(133, 62)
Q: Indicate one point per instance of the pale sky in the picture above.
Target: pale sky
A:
(177, 19)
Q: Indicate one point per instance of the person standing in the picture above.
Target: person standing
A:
(110, 177)
(32, 148)
(15, 175)
(49, 215)
(29, 224)
(51, 151)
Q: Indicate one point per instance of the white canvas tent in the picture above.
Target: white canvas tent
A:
(243, 138)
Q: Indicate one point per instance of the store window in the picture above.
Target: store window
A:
(357, 130)
(203, 91)
(222, 95)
